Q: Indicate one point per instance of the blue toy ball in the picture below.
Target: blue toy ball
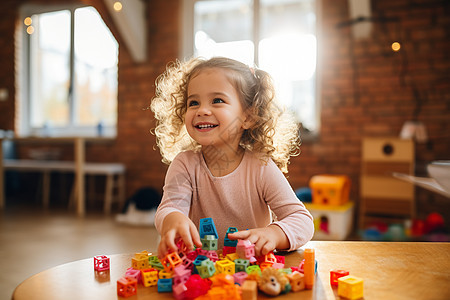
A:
(304, 194)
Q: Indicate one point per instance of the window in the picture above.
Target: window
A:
(68, 72)
(279, 36)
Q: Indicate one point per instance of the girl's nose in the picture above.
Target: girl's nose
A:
(203, 110)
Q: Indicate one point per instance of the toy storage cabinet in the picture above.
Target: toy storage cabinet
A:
(383, 197)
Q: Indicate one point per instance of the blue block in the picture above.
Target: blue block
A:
(197, 262)
(227, 241)
(207, 227)
(164, 285)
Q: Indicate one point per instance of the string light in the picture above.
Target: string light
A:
(27, 21)
(117, 6)
(30, 29)
(395, 46)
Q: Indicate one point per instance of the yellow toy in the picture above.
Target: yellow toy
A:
(350, 287)
(330, 189)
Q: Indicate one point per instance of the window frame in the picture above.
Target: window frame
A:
(187, 51)
(23, 98)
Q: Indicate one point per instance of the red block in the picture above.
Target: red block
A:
(126, 286)
(335, 274)
(101, 263)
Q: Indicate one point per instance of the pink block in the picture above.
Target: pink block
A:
(278, 266)
(240, 277)
(178, 291)
(136, 274)
(212, 255)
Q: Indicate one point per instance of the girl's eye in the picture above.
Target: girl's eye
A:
(192, 103)
(218, 100)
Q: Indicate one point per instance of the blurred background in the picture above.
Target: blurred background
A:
(369, 82)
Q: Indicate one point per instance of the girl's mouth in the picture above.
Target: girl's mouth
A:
(205, 126)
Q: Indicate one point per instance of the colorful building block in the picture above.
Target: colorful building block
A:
(149, 277)
(126, 286)
(164, 285)
(297, 281)
(254, 268)
(227, 250)
(240, 277)
(155, 263)
(350, 287)
(178, 291)
(225, 266)
(269, 258)
(136, 274)
(140, 263)
(209, 242)
(163, 274)
(206, 269)
(309, 268)
(198, 262)
(232, 256)
(207, 227)
(249, 290)
(280, 259)
(227, 241)
(187, 263)
(336, 274)
(192, 255)
(265, 265)
(241, 264)
(212, 255)
(245, 249)
(181, 274)
(101, 263)
(278, 265)
(170, 261)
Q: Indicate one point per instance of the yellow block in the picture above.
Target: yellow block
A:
(350, 287)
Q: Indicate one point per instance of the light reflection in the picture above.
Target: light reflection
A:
(117, 6)
(396, 46)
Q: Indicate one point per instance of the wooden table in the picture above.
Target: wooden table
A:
(390, 271)
(79, 144)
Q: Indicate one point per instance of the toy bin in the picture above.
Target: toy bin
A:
(331, 222)
(330, 189)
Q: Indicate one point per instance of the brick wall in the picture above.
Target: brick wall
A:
(366, 89)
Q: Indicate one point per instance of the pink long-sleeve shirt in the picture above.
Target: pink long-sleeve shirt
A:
(240, 199)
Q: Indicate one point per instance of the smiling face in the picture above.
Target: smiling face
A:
(214, 114)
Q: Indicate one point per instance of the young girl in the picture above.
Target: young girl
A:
(227, 143)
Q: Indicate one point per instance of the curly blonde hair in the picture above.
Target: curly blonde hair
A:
(273, 134)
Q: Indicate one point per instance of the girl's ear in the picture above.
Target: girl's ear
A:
(249, 121)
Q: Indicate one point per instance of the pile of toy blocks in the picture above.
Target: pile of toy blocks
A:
(230, 273)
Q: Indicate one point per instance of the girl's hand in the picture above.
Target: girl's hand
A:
(265, 239)
(177, 226)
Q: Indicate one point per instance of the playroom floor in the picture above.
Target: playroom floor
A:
(33, 240)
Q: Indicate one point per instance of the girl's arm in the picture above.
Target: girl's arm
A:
(171, 219)
(294, 225)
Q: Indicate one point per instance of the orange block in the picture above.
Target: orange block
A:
(309, 268)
